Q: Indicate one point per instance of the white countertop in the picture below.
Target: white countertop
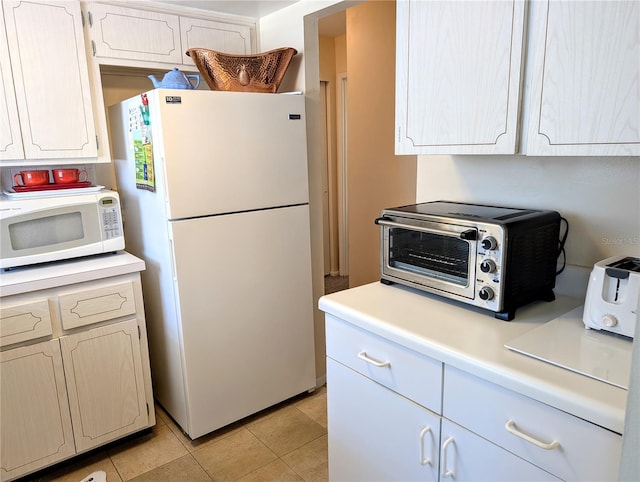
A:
(51, 275)
(472, 340)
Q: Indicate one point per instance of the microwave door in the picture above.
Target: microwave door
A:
(437, 256)
(50, 234)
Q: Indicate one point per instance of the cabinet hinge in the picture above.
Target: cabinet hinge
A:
(97, 143)
(82, 18)
(139, 333)
(90, 19)
(93, 48)
(148, 411)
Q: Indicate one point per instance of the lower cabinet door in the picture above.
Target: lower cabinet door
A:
(34, 413)
(105, 384)
(465, 456)
(376, 434)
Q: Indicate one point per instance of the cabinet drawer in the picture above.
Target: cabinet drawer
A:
(92, 306)
(415, 376)
(584, 451)
(23, 322)
(467, 457)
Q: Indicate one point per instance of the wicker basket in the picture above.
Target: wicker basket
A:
(243, 73)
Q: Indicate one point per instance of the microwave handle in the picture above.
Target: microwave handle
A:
(468, 235)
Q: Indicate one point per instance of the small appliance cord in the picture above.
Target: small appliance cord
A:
(561, 242)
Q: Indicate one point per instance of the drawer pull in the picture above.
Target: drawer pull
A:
(363, 356)
(424, 460)
(445, 471)
(511, 428)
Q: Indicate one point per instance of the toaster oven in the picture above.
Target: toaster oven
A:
(494, 258)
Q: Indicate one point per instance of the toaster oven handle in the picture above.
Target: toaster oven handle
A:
(468, 235)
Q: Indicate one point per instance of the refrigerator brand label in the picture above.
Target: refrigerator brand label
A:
(173, 99)
(295, 117)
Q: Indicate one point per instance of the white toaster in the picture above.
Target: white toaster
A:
(613, 295)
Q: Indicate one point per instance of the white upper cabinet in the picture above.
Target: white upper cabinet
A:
(458, 76)
(10, 136)
(127, 33)
(46, 68)
(585, 62)
(125, 36)
(223, 37)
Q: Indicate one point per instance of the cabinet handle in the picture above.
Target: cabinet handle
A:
(446, 472)
(424, 460)
(511, 428)
(363, 356)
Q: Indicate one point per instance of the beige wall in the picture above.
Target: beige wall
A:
(341, 53)
(376, 177)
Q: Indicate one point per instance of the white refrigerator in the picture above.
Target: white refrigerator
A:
(214, 192)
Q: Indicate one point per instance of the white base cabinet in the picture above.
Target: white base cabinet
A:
(74, 371)
(105, 382)
(376, 434)
(36, 425)
(381, 429)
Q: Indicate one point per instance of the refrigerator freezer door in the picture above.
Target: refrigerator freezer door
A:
(225, 152)
(244, 290)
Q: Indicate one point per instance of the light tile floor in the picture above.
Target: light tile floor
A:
(287, 442)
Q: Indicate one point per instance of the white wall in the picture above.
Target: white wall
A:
(600, 197)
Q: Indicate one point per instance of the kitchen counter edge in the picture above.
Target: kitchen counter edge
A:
(39, 277)
(473, 340)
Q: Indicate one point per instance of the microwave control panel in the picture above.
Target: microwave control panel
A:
(109, 209)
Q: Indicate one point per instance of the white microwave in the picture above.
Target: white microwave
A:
(52, 228)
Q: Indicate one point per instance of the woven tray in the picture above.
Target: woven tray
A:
(243, 73)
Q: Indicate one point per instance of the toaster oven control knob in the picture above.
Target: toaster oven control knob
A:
(609, 320)
(488, 266)
(486, 293)
(489, 243)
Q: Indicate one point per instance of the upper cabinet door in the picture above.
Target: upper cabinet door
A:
(223, 37)
(458, 76)
(585, 65)
(51, 80)
(127, 33)
(10, 137)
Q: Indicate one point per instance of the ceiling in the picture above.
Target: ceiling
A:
(247, 8)
(331, 26)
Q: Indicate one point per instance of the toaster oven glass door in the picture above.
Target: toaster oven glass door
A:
(435, 255)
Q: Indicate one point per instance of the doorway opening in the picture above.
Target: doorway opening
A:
(333, 122)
